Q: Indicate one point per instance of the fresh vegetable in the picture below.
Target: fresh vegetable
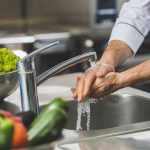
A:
(8, 60)
(48, 125)
(57, 102)
(6, 133)
(19, 136)
(44, 128)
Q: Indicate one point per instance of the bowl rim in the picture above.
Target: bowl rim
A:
(7, 73)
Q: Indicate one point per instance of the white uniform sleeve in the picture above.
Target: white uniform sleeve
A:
(133, 23)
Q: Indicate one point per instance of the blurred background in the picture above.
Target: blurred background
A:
(80, 26)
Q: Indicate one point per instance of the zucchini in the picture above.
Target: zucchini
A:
(57, 102)
(49, 124)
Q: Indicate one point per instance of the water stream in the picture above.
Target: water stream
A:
(84, 109)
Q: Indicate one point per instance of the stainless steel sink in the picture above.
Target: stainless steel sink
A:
(112, 111)
(116, 110)
(144, 86)
(8, 106)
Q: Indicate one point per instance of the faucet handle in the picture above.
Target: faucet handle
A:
(31, 56)
(27, 63)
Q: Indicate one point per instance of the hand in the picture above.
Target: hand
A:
(106, 85)
(84, 84)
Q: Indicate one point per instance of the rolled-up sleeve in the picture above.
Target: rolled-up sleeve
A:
(133, 23)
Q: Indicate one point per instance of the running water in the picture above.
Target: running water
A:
(84, 108)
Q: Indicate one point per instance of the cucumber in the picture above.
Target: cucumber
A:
(49, 124)
(57, 102)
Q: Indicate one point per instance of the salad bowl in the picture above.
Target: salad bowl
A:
(8, 83)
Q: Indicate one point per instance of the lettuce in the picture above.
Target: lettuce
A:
(8, 60)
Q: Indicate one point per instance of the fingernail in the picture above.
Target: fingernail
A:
(79, 98)
(79, 101)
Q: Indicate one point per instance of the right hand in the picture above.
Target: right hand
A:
(84, 84)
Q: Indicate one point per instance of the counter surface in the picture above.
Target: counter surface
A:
(60, 86)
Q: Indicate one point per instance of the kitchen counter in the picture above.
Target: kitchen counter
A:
(60, 86)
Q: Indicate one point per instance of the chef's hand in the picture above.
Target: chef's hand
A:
(105, 85)
(84, 84)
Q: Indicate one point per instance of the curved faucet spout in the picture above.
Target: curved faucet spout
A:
(91, 56)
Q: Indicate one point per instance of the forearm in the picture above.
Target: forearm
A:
(135, 74)
(116, 53)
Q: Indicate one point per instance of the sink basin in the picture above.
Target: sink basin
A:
(112, 111)
(144, 86)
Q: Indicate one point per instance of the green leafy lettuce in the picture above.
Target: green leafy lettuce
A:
(8, 60)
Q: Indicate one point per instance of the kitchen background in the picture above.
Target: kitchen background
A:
(80, 26)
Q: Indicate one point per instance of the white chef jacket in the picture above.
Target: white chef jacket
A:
(133, 23)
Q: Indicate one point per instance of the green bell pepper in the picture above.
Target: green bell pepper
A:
(6, 133)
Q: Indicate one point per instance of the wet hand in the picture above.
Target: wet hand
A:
(84, 83)
(106, 85)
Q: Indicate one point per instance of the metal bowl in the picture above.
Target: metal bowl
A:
(8, 83)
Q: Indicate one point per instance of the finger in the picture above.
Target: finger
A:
(96, 95)
(80, 89)
(89, 80)
(77, 82)
(78, 79)
(73, 90)
(98, 89)
(101, 72)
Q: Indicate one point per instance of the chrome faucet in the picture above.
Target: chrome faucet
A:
(29, 82)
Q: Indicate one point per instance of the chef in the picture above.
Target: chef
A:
(128, 33)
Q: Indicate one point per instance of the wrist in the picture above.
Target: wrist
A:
(125, 79)
(116, 53)
(103, 64)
